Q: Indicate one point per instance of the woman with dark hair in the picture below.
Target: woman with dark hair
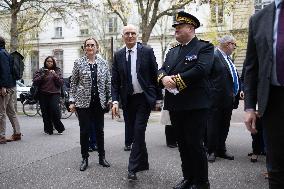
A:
(89, 97)
(49, 81)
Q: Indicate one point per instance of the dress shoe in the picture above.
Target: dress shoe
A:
(131, 176)
(103, 162)
(205, 185)
(182, 184)
(225, 155)
(84, 164)
(14, 137)
(211, 157)
(253, 158)
(3, 140)
(127, 148)
(172, 145)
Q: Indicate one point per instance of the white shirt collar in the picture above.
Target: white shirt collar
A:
(133, 48)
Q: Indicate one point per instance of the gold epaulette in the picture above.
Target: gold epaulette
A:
(179, 83)
(174, 46)
(161, 75)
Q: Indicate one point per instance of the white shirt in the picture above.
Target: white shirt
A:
(135, 83)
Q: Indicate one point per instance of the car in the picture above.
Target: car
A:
(21, 88)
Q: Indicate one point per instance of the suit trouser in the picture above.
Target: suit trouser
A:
(170, 133)
(190, 128)
(257, 139)
(49, 105)
(7, 107)
(89, 119)
(273, 124)
(138, 111)
(128, 131)
(218, 128)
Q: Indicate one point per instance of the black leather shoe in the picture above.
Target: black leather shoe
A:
(172, 145)
(127, 148)
(103, 162)
(131, 176)
(205, 185)
(182, 184)
(211, 157)
(84, 164)
(225, 155)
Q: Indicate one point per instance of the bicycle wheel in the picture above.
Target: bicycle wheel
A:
(63, 111)
(29, 109)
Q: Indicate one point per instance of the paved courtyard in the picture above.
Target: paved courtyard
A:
(43, 161)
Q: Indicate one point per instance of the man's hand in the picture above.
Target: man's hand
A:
(158, 105)
(168, 82)
(115, 110)
(72, 107)
(250, 119)
(3, 91)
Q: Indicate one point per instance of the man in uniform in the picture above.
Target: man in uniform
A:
(184, 76)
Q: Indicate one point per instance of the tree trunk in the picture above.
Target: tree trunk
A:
(14, 42)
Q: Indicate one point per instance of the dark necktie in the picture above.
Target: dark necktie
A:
(129, 76)
(235, 76)
(280, 47)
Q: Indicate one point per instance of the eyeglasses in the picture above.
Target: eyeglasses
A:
(130, 33)
(235, 44)
(90, 45)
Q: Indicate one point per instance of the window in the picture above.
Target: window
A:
(34, 62)
(58, 32)
(260, 4)
(84, 1)
(84, 32)
(58, 55)
(112, 25)
(217, 13)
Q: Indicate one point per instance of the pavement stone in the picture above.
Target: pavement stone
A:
(44, 161)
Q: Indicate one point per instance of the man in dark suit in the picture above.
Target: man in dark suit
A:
(184, 76)
(225, 87)
(264, 84)
(134, 82)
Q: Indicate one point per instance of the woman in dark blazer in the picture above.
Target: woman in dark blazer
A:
(89, 96)
(49, 81)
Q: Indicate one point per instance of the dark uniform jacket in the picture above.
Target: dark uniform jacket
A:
(191, 64)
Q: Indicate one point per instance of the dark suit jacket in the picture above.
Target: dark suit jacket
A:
(222, 83)
(6, 77)
(259, 59)
(146, 68)
(193, 63)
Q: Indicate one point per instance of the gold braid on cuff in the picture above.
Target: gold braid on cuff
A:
(180, 83)
(161, 75)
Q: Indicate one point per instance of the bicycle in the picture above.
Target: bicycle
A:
(31, 107)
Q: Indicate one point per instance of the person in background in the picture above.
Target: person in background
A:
(264, 84)
(49, 81)
(226, 88)
(7, 96)
(89, 97)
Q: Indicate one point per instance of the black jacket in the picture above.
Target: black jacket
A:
(192, 64)
(146, 67)
(6, 65)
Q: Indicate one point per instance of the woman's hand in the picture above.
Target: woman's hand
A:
(72, 107)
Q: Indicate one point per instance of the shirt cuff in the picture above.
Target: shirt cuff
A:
(114, 102)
